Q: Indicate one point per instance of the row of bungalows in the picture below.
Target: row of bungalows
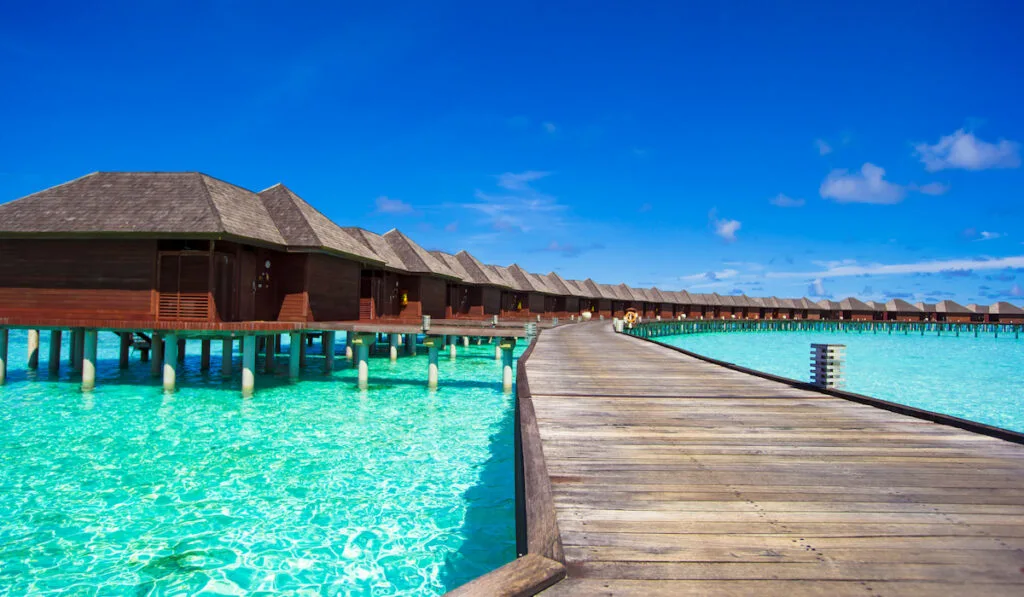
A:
(157, 247)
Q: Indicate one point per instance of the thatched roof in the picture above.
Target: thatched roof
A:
(626, 293)
(661, 296)
(302, 226)
(581, 289)
(979, 309)
(951, 307)
(827, 305)
(771, 302)
(540, 282)
(478, 272)
(526, 281)
(594, 289)
(146, 204)
(900, 306)
(756, 301)
(808, 304)
(875, 306)
(1005, 308)
(641, 294)
(683, 297)
(788, 304)
(416, 258)
(379, 246)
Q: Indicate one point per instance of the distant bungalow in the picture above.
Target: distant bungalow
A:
(187, 247)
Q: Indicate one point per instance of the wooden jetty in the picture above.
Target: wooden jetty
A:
(669, 475)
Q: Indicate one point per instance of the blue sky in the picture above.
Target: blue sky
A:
(767, 148)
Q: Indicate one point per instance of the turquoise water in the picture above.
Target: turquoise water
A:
(313, 488)
(973, 378)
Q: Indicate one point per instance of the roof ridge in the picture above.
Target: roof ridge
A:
(213, 206)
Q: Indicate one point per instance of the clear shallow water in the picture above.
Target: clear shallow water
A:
(981, 379)
(309, 488)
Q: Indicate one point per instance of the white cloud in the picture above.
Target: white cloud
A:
(965, 151)
(868, 186)
(711, 276)
(386, 205)
(451, 227)
(849, 268)
(520, 181)
(550, 127)
(823, 147)
(782, 200)
(724, 228)
(985, 235)
(817, 288)
(933, 188)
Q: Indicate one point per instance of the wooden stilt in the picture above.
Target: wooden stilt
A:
(295, 346)
(170, 368)
(227, 350)
(89, 342)
(269, 349)
(3, 355)
(33, 349)
(204, 354)
(124, 350)
(156, 364)
(53, 363)
(327, 341)
(248, 366)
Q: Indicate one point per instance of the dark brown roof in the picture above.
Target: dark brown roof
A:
(416, 258)
(302, 226)
(142, 203)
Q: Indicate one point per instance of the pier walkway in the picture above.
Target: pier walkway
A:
(674, 476)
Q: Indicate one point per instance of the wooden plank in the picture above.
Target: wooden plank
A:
(673, 476)
(522, 577)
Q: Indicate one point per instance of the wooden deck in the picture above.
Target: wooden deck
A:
(673, 476)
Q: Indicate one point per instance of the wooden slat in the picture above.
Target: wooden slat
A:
(674, 476)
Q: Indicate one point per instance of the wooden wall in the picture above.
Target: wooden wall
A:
(83, 279)
(333, 287)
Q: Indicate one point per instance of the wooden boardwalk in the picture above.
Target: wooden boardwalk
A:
(673, 476)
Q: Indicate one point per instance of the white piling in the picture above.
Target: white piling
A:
(363, 360)
(431, 343)
(465, 341)
(349, 337)
(506, 364)
(170, 361)
(89, 360)
(497, 351)
(393, 346)
(248, 366)
(33, 349)
(294, 355)
(451, 348)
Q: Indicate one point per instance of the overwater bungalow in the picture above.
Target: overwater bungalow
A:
(604, 296)
(120, 246)
(852, 309)
(771, 309)
(979, 313)
(585, 301)
(1003, 312)
(811, 309)
(901, 310)
(648, 303)
(488, 285)
(787, 308)
(476, 295)
(829, 309)
(567, 301)
(515, 295)
(665, 305)
(927, 311)
(877, 310)
(952, 312)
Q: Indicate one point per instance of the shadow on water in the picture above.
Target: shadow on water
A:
(489, 527)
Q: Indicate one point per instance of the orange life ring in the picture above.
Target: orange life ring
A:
(631, 317)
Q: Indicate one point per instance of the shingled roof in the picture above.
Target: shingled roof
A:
(1005, 308)
(453, 263)
(302, 226)
(378, 245)
(900, 306)
(416, 258)
(479, 272)
(558, 284)
(598, 291)
(853, 304)
(950, 307)
(509, 280)
(141, 204)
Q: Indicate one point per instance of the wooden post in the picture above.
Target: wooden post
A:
(294, 355)
(33, 349)
(327, 341)
(432, 342)
(3, 355)
(181, 350)
(54, 360)
(410, 345)
(170, 368)
(72, 343)
(227, 352)
(156, 362)
(269, 348)
(302, 350)
(507, 345)
(125, 349)
(89, 342)
(79, 350)
(248, 366)
(349, 338)
(204, 354)
(393, 347)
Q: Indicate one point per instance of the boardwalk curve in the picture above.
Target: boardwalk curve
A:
(674, 476)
